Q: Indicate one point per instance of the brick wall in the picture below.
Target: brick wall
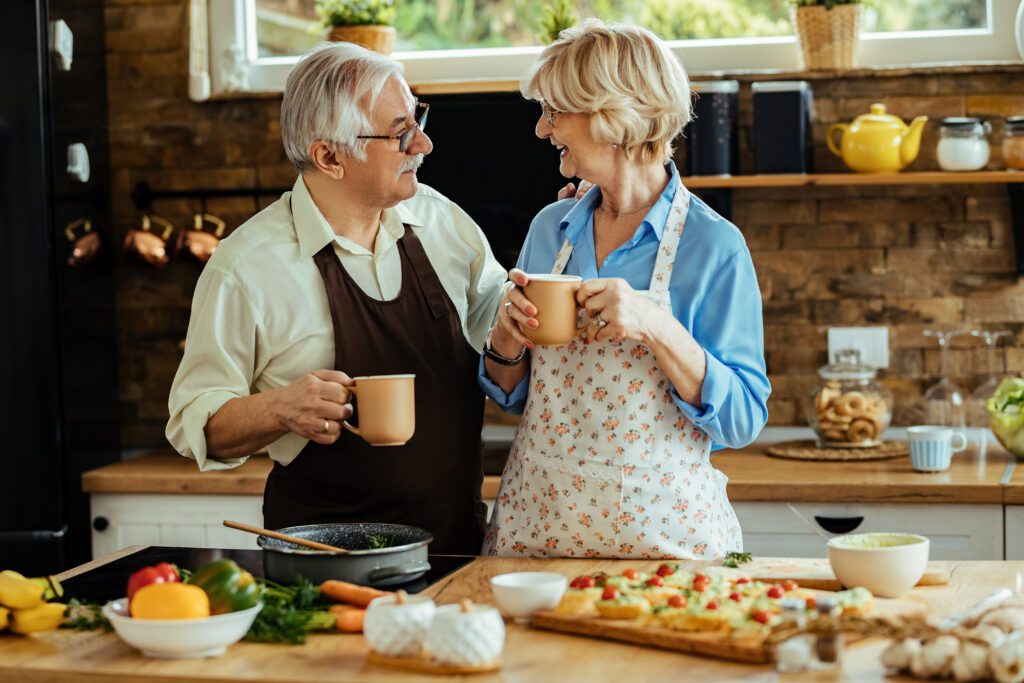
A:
(906, 257)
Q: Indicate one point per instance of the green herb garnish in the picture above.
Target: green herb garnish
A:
(84, 616)
(378, 541)
(733, 559)
(289, 613)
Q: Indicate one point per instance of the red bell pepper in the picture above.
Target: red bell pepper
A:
(165, 572)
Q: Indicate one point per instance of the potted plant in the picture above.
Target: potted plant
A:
(827, 32)
(365, 22)
(557, 17)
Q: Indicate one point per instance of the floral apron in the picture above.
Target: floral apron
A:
(604, 463)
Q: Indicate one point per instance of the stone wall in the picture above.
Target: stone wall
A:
(907, 257)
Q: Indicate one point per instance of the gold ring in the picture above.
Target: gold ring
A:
(508, 304)
(327, 426)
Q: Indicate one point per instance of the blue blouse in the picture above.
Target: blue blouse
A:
(714, 295)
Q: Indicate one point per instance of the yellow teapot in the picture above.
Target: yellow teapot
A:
(877, 142)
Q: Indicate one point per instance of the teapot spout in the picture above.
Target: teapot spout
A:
(911, 143)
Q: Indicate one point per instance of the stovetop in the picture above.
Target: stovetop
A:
(108, 581)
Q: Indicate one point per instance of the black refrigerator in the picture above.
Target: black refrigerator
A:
(58, 358)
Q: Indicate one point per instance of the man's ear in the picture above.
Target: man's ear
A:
(328, 159)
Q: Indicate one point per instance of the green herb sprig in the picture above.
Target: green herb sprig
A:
(378, 541)
(734, 560)
(85, 616)
(290, 613)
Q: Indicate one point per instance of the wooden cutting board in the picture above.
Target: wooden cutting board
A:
(708, 644)
(817, 574)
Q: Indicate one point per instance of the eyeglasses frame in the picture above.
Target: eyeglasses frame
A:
(406, 136)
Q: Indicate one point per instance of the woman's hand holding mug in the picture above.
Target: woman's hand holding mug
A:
(514, 313)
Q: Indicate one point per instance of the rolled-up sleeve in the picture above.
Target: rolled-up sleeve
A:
(728, 325)
(484, 289)
(220, 353)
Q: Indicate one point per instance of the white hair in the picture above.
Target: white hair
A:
(329, 95)
(624, 76)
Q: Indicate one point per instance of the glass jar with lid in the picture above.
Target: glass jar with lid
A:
(1013, 143)
(963, 143)
(850, 408)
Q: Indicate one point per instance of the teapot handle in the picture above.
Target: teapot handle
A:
(830, 138)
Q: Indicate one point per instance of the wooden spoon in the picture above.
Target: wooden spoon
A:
(283, 537)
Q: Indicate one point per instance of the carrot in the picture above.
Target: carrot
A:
(351, 621)
(341, 591)
(338, 610)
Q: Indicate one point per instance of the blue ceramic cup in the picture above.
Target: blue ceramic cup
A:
(931, 447)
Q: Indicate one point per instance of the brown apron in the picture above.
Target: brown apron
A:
(433, 481)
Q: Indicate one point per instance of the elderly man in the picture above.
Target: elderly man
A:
(357, 271)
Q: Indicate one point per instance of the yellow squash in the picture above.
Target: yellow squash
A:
(45, 617)
(877, 142)
(17, 592)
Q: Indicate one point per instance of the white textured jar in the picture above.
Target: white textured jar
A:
(471, 635)
(963, 144)
(397, 628)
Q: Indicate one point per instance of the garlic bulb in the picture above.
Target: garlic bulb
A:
(937, 656)
(1009, 619)
(899, 655)
(971, 662)
(1007, 659)
(990, 633)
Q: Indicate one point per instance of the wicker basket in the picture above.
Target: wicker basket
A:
(377, 38)
(828, 37)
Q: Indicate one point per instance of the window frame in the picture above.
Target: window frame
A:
(231, 32)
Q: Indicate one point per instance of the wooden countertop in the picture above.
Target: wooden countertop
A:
(753, 476)
(530, 655)
(1013, 491)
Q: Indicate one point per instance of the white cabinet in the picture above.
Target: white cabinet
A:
(1015, 532)
(195, 521)
(957, 532)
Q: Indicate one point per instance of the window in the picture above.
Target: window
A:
(257, 41)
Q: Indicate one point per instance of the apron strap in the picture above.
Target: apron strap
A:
(670, 240)
(563, 258)
(429, 283)
(330, 270)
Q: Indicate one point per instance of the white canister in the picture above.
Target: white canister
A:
(397, 625)
(466, 635)
(963, 144)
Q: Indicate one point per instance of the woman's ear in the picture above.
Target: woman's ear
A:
(327, 159)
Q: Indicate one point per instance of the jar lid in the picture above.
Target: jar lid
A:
(1014, 123)
(726, 87)
(960, 121)
(847, 366)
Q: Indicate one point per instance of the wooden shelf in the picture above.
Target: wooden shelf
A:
(839, 179)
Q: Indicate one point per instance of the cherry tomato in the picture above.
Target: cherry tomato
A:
(762, 617)
(789, 584)
(699, 577)
(655, 581)
(743, 580)
(610, 593)
(811, 603)
(712, 605)
(700, 586)
(665, 570)
(599, 579)
(774, 592)
(677, 601)
(735, 597)
(630, 574)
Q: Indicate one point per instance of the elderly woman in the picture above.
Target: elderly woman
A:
(612, 455)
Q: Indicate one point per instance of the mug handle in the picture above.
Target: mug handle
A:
(345, 424)
(963, 441)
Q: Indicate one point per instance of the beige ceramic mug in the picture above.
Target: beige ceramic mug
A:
(555, 299)
(387, 409)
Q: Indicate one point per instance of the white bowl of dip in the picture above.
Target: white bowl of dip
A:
(887, 564)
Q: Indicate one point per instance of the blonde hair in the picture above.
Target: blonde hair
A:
(328, 96)
(624, 76)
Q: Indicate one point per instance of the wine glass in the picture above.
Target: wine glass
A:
(944, 402)
(977, 414)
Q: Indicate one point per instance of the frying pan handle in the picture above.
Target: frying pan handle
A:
(396, 570)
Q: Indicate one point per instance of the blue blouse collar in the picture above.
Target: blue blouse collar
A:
(580, 216)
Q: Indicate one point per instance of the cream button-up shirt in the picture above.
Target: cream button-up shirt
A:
(260, 317)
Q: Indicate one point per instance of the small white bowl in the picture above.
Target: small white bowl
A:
(887, 564)
(180, 638)
(520, 594)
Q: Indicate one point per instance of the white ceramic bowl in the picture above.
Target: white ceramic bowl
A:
(887, 564)
(180, 638)
(398, 630)
(520, 594)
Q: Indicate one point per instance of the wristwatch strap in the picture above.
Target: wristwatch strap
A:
(489, 352)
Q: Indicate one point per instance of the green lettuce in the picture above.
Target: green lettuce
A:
(1006, 408)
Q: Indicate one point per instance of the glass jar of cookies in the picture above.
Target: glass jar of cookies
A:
(850, 409)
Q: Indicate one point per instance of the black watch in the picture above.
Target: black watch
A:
(500, 359)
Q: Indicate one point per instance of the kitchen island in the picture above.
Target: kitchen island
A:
(530, 655)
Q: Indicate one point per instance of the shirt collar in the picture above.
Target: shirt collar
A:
(580, 216)
(314, 232)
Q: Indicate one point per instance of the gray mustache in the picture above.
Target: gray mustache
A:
(411, 164)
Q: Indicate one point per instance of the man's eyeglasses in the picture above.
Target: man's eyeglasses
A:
(405, 137)
(549, 113)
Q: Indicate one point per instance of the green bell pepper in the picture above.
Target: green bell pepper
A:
(229, 587)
